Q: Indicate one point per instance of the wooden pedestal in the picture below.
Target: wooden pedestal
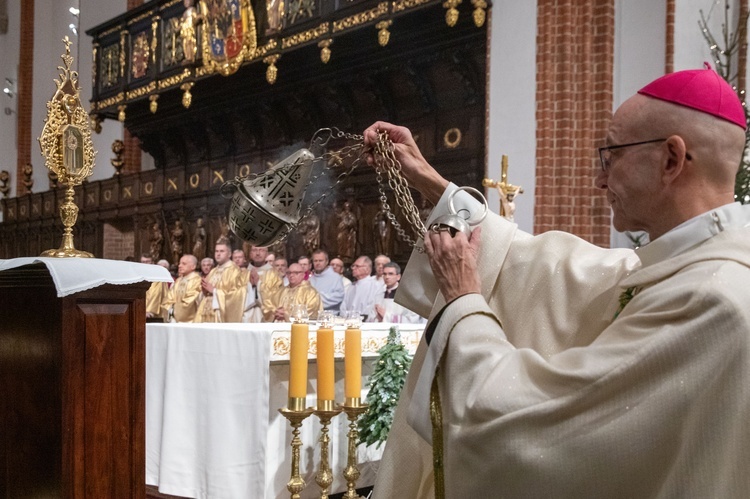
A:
(72, 385)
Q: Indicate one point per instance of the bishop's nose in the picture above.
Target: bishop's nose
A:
(601, 179)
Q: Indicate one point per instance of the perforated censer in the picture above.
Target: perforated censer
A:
(265, 208)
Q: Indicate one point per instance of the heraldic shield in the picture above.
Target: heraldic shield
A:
(229, 34)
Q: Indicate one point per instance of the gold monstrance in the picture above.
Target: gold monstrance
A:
(67, 148)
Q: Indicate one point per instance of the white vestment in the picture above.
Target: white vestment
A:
(564, 400)
(395, 313)
(362, 296)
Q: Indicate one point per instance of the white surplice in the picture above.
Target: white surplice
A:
(565, 401)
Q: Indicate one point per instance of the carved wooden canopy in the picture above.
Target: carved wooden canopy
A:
(254, 82)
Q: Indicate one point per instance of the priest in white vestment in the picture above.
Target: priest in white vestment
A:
(364, 293)
(566, 370)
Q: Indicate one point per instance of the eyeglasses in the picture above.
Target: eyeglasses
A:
(605, 153)
(357, 266)
(295, 271)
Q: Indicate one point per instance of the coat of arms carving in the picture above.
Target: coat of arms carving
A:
(229, 34)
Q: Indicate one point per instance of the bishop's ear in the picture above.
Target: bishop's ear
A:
(677, 158)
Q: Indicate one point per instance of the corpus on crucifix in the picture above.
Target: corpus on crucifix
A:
(507, 191)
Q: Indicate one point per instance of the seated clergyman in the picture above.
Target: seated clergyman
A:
(299, 292)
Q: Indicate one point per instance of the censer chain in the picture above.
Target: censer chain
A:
(385, 163)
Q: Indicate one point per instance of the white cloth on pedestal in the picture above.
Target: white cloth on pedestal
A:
(73, 275)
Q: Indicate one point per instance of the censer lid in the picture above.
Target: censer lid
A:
(281, 189)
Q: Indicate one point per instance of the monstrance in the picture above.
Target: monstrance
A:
(67, 148)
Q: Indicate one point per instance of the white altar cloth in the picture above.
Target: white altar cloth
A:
(73, 275)
(212, 397)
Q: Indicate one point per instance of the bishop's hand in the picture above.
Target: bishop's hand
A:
(417, 171)
(453, 260)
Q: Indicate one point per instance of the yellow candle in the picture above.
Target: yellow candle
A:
(353, 363)
(325, 364)
(298, 361)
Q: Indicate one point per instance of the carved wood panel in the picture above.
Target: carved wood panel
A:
(72, 389)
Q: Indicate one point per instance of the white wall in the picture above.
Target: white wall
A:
(9, 69)
(691, 49)
(512, 103)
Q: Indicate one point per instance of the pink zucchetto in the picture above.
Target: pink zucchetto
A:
(701, 89)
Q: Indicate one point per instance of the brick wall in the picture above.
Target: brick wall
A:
(24, 97)
(669, 48)
(575, 58)
(118, 243)
(742, 53)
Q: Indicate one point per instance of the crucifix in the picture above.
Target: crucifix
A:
(506, 190)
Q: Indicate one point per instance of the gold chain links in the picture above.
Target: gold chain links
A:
(386, 162)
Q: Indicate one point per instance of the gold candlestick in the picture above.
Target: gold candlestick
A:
(67, 148)
(354, 408)
(324, 478)
(296, 483)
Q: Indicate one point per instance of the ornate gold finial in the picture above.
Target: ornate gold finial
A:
(384, 35)
(507, 191)
(52, 176)
(271, 71)
(4, 181)
(121, 112)
(28, 177)
(479, 14)
(451, 15)
(153, 105)
(187, 97)
(67, 147)
(96, 123)
(118, 147)
(325, 50)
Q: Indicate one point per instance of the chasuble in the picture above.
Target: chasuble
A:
(546, 394)
(303, 294)
(228, 300)
(155, 296)
(183, 298)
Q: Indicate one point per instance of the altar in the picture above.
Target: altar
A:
(212, 397)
